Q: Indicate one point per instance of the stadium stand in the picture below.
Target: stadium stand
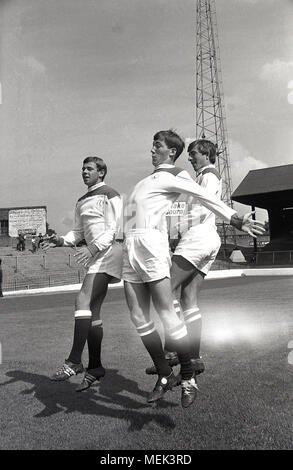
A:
(24, 270)
(28, 271)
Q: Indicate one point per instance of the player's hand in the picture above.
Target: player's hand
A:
(83, 256)
(51, 242)
(252, 227)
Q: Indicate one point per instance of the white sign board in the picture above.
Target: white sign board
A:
(30, 221)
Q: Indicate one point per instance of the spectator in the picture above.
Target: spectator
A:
(1, 278)
(18, 244)
(21, 242)
(34, 244)
(40, 240)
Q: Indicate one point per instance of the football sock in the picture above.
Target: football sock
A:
(94, 342)
(193, 322)
(83, 319)
(181, 342)
(169, 343)
(153, 344)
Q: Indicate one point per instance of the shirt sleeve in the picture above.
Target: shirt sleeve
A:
(113, 209)
(183, 183)
(211, 184)
(77, 234)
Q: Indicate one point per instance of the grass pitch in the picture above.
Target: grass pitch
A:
(245, 398)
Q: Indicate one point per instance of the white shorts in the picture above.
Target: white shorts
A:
(108, 262)
(200, 246)
(146, 256)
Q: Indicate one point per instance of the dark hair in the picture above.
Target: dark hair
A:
(100, 164)
(205, 147)
(172, 140)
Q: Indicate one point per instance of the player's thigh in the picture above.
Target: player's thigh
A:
(138, 300)
(181, 270)
(190, 290)
(161, 293)
(93, 287)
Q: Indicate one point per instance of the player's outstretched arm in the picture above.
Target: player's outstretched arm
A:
(183, 183)
(52, 242)
(248, 224)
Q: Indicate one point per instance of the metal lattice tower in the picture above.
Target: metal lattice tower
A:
(210, 113)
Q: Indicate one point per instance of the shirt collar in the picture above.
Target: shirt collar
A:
(164, 165)
(203, 168)
(96, 186)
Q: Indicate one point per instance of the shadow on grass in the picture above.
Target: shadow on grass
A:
(110, 401)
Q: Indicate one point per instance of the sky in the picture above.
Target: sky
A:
(100, 77)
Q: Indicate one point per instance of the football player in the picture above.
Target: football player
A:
(195, 252)
(97, 214)
(146, 259)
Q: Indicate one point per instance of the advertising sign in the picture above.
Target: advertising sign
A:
(28, 221)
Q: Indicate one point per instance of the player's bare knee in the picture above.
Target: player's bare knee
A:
(82, 301)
